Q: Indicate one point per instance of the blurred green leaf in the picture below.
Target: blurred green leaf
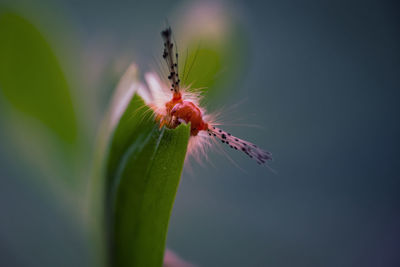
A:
(31, 78)
(202, 67)
(214, 65)
(144, 165)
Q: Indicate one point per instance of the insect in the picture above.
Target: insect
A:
(183, 107)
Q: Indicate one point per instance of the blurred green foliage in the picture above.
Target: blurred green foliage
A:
(213, 66)
(31, 78)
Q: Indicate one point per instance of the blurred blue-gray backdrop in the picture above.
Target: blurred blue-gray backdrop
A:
(320, 78)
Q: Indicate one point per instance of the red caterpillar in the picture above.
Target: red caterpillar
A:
(183, 107)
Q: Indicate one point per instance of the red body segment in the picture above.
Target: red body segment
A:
(188, 112)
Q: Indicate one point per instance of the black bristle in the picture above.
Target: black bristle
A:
(172, 63)
(166, 34)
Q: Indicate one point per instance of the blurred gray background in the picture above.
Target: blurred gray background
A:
(321, 79)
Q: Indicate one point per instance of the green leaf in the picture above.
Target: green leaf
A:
(37, 111)
(144, 165)
(31, 79)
